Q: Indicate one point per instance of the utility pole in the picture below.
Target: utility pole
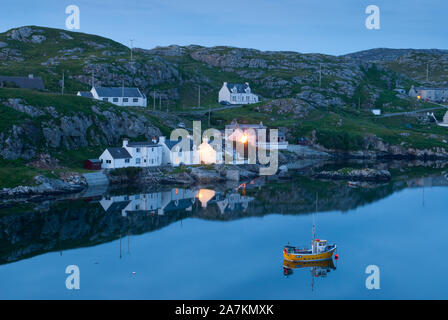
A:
(199, 96)
(154, 100)
(63, 79)
(320, 75)
(122, 91)
(209, 111)
(132, 58)
(427, 72)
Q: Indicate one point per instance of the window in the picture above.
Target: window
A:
(125, 99)
(105, 99)
(144, 160)
(108, 161)
(115, 100)
(152, 161)
(135, 100)
(138, 149)
(126, 160)
(137, 160)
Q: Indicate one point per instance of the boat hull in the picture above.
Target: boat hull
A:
(291, 256)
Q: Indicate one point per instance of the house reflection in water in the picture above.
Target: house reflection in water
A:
(234, 201)
(156, 202)
(176, 199)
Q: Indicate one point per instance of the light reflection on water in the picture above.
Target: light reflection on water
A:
(227, 244)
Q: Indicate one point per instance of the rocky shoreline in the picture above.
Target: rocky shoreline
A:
(45, 187)
(373, 175)
(187, 175)
(72, 183)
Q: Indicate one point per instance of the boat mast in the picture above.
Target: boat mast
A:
(314, 225)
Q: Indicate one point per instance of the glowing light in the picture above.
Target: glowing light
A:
(244, 138)
(418, 97)
(205, 195)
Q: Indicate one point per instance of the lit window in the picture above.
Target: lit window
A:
(137, 160)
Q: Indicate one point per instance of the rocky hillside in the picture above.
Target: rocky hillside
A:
(326, 98)
(39, 122)
(412, 63)
(175, 72)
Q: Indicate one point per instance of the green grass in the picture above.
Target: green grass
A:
(16, 172)
(344, 129)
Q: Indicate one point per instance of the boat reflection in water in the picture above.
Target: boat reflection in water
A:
(318, 269)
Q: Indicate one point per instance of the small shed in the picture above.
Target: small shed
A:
(303, 141)
(92, 164)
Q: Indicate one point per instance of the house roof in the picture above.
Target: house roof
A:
(171, 143)
(25, 82)
(243, 126)
(119, 153)
(143, 144)
(240, 87)
(119, 92)
(180, 204)
(117, 206)
(86, 94)
(426, 88)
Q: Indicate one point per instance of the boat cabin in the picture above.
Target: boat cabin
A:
(319, 246)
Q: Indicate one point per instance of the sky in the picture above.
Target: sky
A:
(324, 26)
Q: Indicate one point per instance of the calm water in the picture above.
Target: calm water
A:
(227, 243)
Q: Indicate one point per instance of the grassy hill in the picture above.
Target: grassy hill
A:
(325, 98)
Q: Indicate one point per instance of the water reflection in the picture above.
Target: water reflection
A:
(35, 228)
(318, 269)
(176, 199)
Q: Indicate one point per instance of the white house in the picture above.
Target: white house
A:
(237, 93)
(114, 158)
(174, 155)
(210, 153)
(132, 154)
(120, 96)
(431, 94)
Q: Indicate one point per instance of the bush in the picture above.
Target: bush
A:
(130, 172)
(340, 140)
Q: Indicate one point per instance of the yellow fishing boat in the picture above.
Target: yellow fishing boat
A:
(320, 250)
(328, 264)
